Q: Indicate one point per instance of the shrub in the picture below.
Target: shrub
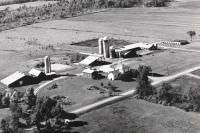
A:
(5, 101)
(194, 98)
(170, 95)
(5, 125)
(53, 86)
(63, 99)
(129, 75)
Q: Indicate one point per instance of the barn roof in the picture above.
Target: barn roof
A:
(89, 60)
(134, 46)
(35, 72)
(12, 78)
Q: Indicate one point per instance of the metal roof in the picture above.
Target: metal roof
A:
(89, 60)
(134, 46)
(34, 72)
(88, 70)
(13, 78)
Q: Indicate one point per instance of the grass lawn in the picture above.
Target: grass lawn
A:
(76, 89)
(137, 116)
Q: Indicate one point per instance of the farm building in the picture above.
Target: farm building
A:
(92, 60)
(110, 68)
(37, 75)
(88, 73)
(17, 79)
(113, 75)
(130, 50)
(93, 74)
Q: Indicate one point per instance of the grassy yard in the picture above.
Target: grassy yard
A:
(76, 89)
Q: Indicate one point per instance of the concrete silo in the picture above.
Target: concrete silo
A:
(47, 64)
(101, 46)
(106, 47)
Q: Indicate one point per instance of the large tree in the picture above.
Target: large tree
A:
(30, 98)
(144, 87)
(191, 34)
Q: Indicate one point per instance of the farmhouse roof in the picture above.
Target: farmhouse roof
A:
(35, 72)
(88, 70)
(89, 60)
(13, 78)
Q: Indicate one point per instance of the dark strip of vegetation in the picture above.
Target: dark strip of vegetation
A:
(63, 9)
(9, 2)
(167, 94)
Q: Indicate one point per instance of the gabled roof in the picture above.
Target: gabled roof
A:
(88, 70)
(35, 72)
(134, 46)
(12, 78)
(89, 60)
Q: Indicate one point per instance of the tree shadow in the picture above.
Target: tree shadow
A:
(77, 123)
(156, 75)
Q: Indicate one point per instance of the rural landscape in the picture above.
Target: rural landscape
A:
(99, 66)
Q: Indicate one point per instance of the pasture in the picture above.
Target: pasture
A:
(139, 116)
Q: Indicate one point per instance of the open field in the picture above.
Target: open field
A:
(139, 116)
(167, 62)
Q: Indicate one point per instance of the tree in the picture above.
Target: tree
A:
(191, 34)
(30, 98)
(16, 114)
(5, 126)
(144, 87)
(163, 93)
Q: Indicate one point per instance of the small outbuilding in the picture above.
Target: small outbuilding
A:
(88, 73)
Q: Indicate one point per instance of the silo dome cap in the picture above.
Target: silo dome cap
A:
(105, 38)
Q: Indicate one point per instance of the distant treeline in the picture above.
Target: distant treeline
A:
(132, 3)
(9, 2)
(63, 9)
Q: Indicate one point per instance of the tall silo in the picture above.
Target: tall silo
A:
(112, 52)
(106, 47)
(101, 46)
(47, 64)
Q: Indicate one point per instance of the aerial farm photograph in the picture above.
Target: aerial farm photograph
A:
(100, 66)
